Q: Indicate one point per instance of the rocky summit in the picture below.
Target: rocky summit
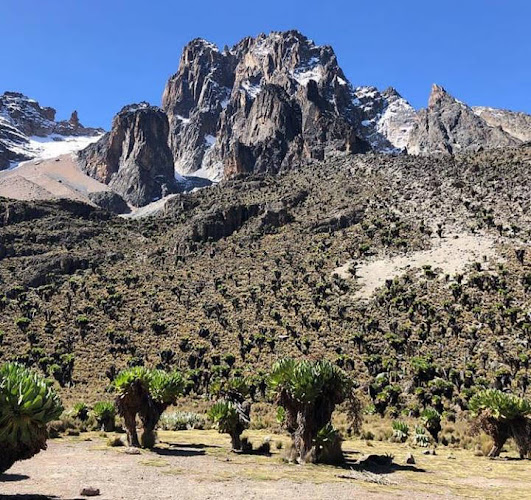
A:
(449, 126)
(267, 102)
(273, 101)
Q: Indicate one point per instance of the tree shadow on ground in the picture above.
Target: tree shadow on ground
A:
(179, 451)
(379, 464)
(21, 496)
(192, 445)
(11, 478)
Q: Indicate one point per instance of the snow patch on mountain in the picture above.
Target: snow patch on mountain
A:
(311, 71)
(252, 90)
(396, 122)
(42, 148)
(388, 118)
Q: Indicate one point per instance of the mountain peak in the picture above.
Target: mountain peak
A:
(449, 126)
(439, 94)
(201, 43)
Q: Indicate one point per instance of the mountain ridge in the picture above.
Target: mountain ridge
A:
(24, 124)
(267, 104)
(276, 100)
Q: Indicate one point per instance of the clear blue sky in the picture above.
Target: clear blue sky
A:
(98, 55)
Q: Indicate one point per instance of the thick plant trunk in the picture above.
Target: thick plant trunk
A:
(130, 428)
(7, 459)
(9, 454)
(500, 437)
(128, 406)
(148, 439)
(303, 438)
(236, 442)
(496, 449)
(498, 431)
(150, 418)
(521, 433)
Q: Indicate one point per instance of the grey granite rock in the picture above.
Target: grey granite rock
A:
(134, 158)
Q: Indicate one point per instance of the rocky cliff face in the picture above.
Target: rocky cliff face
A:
(23, 123)
(387, 118)
(274, 102)
(134, 158)
(449, 126)
(267, 102)
(513, 123)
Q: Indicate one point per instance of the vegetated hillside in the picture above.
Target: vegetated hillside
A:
(233, 276)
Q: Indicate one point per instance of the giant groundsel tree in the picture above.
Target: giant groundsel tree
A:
(502, 416)
(308, 393)
(28, 403)
(231, 413)
(145, 393)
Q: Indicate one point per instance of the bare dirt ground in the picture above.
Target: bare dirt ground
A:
(47, 179)
(449, 254)
(199, 464)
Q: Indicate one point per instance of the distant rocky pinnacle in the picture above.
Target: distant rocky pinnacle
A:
(449, 126)
(513, 123)
(268, 103)
(22, 118)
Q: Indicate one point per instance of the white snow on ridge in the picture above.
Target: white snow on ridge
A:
(389, 118)
(396, 122)
(252, 90)
(304, 75)
(42, 148)
(312, 70)
(183, 119)
(341, 81)
(209, 45)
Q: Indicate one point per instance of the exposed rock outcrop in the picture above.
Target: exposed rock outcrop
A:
(514, 123)
(220, 223)
(449, 126)
(268, 102)
(340, 220)
(275, 101)
(27, 115)
(134, 158)
(110, 201)
(387, 118)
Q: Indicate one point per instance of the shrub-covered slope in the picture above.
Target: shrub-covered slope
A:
(232, 277)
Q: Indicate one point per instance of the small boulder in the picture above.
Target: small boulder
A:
(89, 492)
(110, 201)
(132, 451)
